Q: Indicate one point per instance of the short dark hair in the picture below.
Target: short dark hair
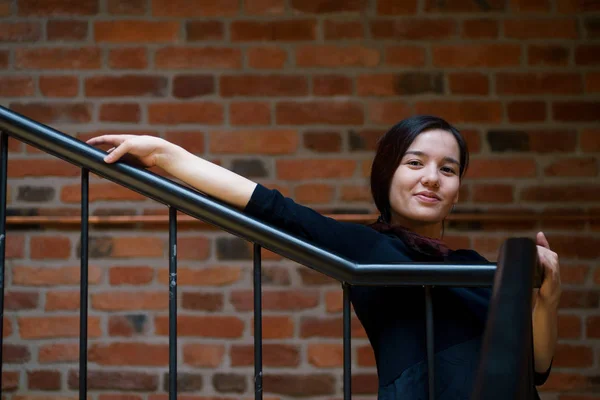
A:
(391, 148)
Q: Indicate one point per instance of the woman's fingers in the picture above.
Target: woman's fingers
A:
(118, 152)
(113, 140)
(542, 241)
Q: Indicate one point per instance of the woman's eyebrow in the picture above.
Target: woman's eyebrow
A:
(420, 153)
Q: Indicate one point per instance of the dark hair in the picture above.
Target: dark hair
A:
(391, 148)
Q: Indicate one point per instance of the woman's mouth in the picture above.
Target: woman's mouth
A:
(427, 199)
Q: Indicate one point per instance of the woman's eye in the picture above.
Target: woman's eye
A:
(414, 162)
(449, 170)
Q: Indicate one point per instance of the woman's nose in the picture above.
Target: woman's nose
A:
(430, 177)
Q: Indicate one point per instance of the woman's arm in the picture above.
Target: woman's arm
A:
(203, 175)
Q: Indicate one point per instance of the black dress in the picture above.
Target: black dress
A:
(394, 317)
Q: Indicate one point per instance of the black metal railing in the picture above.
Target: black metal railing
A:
(519, 257)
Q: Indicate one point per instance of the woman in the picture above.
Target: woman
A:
(415, 181)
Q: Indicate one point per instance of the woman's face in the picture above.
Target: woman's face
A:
(425, 185)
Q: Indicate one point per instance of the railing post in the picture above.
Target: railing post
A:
(83, 285)
(430, 345)
(3, 172)
(347, 344)
(258, 388)
(172, 303)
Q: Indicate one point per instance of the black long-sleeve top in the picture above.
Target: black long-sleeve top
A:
(394, 317)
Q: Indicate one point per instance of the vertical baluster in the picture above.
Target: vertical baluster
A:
(172, 303)
(347, 344)
(258, 373)
(3, 169)
(430, 349)
(83, 286)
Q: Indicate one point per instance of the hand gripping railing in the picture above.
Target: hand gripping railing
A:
(180, 198)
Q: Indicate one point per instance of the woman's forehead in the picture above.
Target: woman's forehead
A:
(438, 142)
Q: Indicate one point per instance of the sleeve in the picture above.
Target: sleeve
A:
(270, 206)
(539, 378)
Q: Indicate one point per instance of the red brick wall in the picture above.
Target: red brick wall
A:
(292, 93)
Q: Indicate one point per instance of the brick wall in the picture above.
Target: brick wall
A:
(294, 94)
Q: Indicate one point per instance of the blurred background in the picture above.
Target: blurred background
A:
(293, 94)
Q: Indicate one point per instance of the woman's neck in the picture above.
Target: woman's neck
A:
(431, 230)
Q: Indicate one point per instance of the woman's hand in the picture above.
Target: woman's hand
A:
(147, 151)
(550, 290)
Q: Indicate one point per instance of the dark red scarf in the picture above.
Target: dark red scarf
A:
(420, 244)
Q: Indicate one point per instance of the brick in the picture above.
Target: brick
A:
(204, 30)
(229, 383)
(130, 275)
(66, 30)
(579, 298)
(128, 325)
(44, 380)
(194, 8)
(538, 83)
(328, 327)
(300, 385)
(493, 193)
(120, 301)
(589, 140)
(592, 82)
(276, 300)
(470, 83)
(55, 276)
(276, 327)
(7, 327)
(334, 301)
(569, 326)
(264, 7)
(342, 29)
(279, 30)
(464, 6)
(10, 380)
(202, 301)
(328, 6)
(185, 113)
(571, 6)
(336, 56)
(16, 86)
(332, 85)
(192, 141)
(540, 141)
(481, 28)
(550, 55)
(186, 382)
(573, 167)
(388, 112)
(126, 85)
(560, 193)
(526, 111)
(116, 380)
(574, 274)
(100, 192)
(322, 142)
(120, 112)
(57, 58)
(267, 57)
(365, 356)
(576, 111)
(530, 5)
(15, 354)
(462, 111)
(5, 8)
(573, 356)
(135, 354)
(355, 193)
(592, 27)
(319, 112)
(45, 247)
(323, 355)
(587, 55)
(203, 355)
(592, 327)
(4, 59)
(62, 301)
(364, 383)
(127, 7)
(74, 113)
(302, 169)
(394, 7)
(55, 8)
(476, 55)
(405, 56)
(189, 86)
(409, 83)
(214, 326)
(207, 276)
(128, 58)
(263, 85)
(314, 193)
(414, 29)
(20, 32)
(198, 58)
(59, 86)
(20, 168)
(136, 31)
(311, 277)
(501, 168)
(534, 28)
(254, 142)
(274, 355)
(249, 113)
(56, 327)
(20, 300)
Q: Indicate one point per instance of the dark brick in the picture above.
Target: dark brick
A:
(127, 325)
(328, 6)
(43, 380)
(187, 86)
(202, 301)
(364, 383)
(249, 168)
(323, 142)
(275, 275)
(233, 249)
(21, 300)
(364, 140)
(98, 247)
(300, 385)
(116, 380)
(501, 141)
(35, 193)
(420, 82)
(229, 383)
(312, 277)
(127, 7)
(15, 354)
(579, 299)
(592, 27)
(204, 30)
(186, 382)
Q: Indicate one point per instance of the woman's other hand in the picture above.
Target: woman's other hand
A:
(147, 151)
(550, 290)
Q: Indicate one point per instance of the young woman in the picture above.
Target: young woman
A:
(415, 181)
